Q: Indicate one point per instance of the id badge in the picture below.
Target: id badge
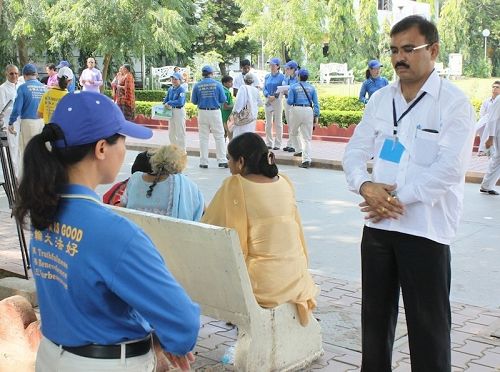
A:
(392, 151)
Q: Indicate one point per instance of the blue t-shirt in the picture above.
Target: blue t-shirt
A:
(100, 280)
(370, 86)
(176, 96)
(271, 83)
(208, 94)
(27, 100)
(297, 96)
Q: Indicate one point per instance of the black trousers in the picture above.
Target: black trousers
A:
(421, 268)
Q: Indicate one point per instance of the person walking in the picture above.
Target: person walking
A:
(52, 96)
(91, 77)
(175, 100)
(274, 106)
(493, 144)
(102, 286)
(125, 92)
(26, 106)
(8, 92)
(208, 95)
(419, 132)
(373, 81)
(304, 114)
(484, 111)
(293, 143)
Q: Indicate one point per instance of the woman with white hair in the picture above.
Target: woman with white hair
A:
(247, 96)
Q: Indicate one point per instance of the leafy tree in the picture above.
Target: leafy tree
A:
(343, 31)
(369, 36)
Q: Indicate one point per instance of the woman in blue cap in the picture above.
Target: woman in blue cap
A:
(373, 81)
(102, 286)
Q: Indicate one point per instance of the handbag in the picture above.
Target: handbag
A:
(245, 116)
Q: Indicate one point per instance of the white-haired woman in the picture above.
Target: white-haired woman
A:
(247, 96)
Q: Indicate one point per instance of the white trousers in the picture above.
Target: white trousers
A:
(52, 358)
(13, 141)
(211, 121)
(240, 129)
(177, 127)
(274, 114)
(302, 119)
(293, 140)
(29, 129)
(493, 173)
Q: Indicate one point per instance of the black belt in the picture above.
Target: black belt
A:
(132, 349)
(208, 108)
(178, 107)
(302, 105)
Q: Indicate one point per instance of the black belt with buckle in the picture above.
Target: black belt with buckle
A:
(209, 108)
(178, 107)
(132, 349)
(302, 105)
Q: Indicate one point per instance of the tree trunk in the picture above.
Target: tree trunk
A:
(22, 51)
(222, 68)
(105, 67)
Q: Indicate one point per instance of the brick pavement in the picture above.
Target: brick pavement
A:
(474, 349)
(325, 154)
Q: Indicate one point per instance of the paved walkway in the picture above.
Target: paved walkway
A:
(475, 330)
(325, 154)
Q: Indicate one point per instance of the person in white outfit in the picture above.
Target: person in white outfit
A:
(493, 129)
(8, 92)
(481, 130)
(249, 95)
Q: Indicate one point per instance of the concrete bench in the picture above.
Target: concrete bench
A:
(441, 70)
(207, 261)
(335, 71)
(160, 76)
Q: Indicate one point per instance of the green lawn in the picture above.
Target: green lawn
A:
(473, 88)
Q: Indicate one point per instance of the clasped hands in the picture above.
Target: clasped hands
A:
(379, 203)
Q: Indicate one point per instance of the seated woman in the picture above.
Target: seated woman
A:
(260, 205)
(165, 190)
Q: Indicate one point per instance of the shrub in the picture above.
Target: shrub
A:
(340, 103)
(150, 95)
(342, 118)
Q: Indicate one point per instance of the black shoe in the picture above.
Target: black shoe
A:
(276, 148)
(291, 149)
(203, 166)
(298, 154)
(270, 147)
(223, 165)
(305, 164)
(489, 192)
(286, 148)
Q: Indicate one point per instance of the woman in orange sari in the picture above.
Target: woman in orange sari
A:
(125, 92)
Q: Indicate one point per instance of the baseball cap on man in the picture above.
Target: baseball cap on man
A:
(274, 61)
(207, 69)
(29, 69)
(292, 64)
(63, 64)
(374, 64)
(88, 117)
(177, 76)
(303, 72)
(66, 72)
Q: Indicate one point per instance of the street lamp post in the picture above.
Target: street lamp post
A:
(486, 33)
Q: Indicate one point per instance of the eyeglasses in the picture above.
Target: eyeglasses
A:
(408, 49)
(13, 73)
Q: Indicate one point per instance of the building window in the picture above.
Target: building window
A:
(384, 4)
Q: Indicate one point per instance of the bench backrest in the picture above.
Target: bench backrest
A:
(439, 67)
(163, 73)
(333, 68)
(206, 260)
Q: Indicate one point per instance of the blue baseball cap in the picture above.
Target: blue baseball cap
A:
(207, 69)
(29, 69)
(374, 64)
(63, 64)
(177, 76)
(88, 117)
(303, 72)
(292, 64)
(274, 61)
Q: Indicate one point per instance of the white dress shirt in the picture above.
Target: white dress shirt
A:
(8, 91)
(430, 176)
(238, 81)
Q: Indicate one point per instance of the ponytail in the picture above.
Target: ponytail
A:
(63, 82)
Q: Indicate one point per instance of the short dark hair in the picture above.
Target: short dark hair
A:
(245, 62)
(496, 82)
(226, 78)
(425, 27)
(127, 67)
(51, 66)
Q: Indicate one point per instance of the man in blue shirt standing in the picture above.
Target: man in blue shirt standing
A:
(304, 113)
(175, 100)
(208, 95)
(26, 106)
(273, 108)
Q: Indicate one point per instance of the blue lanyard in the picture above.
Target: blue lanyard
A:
(394, 116)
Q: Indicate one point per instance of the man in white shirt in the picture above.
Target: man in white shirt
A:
(8, 92)
(481, 128)
(419, 131)
(493, 144)
(238, 82)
